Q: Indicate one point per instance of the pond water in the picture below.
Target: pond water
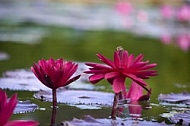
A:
(42, 41)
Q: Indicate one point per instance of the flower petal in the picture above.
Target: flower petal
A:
(117, 59)
(118, 84)
(111, 75)
(22, 123)
(72, 80)
(130, 60)
(37, 72)
(145, 97)
(139, 81)
(96, 78)
(125, 59)
(136, 79)
(145, 74)
(7, 107)
(139, 58)
(106, 61)
(135, 91)
(97, 66)
(148, 66)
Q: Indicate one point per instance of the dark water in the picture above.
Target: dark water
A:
(81, 46)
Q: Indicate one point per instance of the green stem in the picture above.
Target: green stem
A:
(114, 107)
(54, 107)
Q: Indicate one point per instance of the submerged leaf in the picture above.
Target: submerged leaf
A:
(182, 99)
(24, 107)
(90, 121)
(78, 97)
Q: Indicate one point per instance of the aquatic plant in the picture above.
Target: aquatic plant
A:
(135, 93)
(183, 41)
(124, 8)
(167, 11)
(6, 109)
(178, 17)
(183, 14)
(115, 72)
(55, 74)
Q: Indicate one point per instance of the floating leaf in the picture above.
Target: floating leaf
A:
(168, 114)
(22, 35)
(79, 85)
(180, 99)
(87, 106)
(180, 108)
(24, 107)
(3, 56)
(78, 97)
(21, 80)
(182, 118)
(90, 121)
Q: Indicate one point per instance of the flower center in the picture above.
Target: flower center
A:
(48, 81)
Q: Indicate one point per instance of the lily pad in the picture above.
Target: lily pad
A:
(25, 107)
(21, 79)
(90, 121)
(87, 106)
(168, 114)
(4, 56)
(180, 99)
(79, 85)
(78, 97)
(182, 118)
(22, 35)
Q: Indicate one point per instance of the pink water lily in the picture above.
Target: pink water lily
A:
(167, 11)
(124, 8)
(183, 13)
(6, 110)
(166, 38)
(183, 42)
(115, 72)
(123, 66)
(55, 73)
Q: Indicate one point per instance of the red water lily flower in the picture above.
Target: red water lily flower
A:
(124, 66)
(55, 73)
(6, 110)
